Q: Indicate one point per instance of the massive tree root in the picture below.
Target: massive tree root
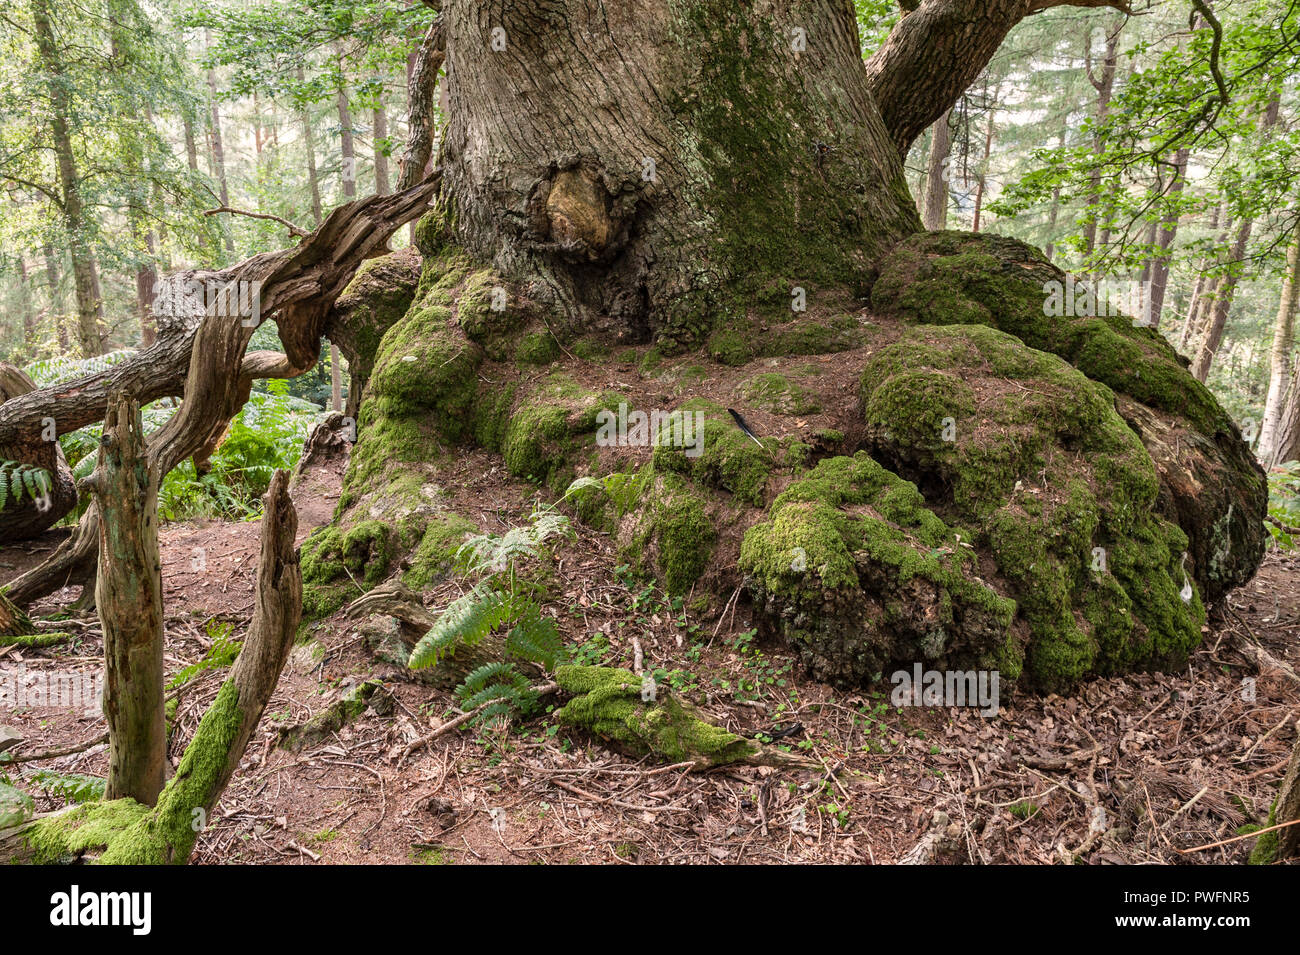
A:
(126, 831)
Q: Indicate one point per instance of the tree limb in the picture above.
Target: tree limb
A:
(935, 52)
(296, 231)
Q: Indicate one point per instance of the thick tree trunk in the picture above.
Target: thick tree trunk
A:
(128, 593)
(740, 157)
(934, 209)
(1280, 357)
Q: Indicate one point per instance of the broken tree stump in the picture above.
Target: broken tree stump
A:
(128, 592)
(123, 831)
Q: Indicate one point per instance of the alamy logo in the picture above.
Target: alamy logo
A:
(74, 908)
(636, 429)
(21, 688)
(946, 688)
(179, 297)
(1081, 299)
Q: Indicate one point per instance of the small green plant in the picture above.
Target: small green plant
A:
(221, 654)
(73, 787)
(17, 478)
(1283, 519)
(498, 601)
(1023, 809)
(15, 805)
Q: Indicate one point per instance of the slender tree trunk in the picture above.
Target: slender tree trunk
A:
(1212, 336)
(128, 594)
(309, 142)
(1220, 305)
(218, 150)
(1280, 357)
(421, 86)
(1192, 324)
(382, 186)
(55, 296)
(934, 213)
(1159, 281)
(1104, 84)
(191, 144)
(26, 303)
(347, 142)
(85, 271)
(984, 164)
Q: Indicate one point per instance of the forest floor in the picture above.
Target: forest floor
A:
(1139, 768)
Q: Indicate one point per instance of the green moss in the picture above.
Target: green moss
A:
(725, 457)
(425, 368)
(537, 348)
(857, 573)
(778, 394)
(1032, 454)
(1266, 846)
(550, 429)
(590, 349)
(685, 537)
(949, 278)
(740, 342)
(435, 555)
(607, 701)
(336, 561)
(88, 828)
(375, 300)
(132, 834)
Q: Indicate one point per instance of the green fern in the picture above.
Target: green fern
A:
(536, 638)
(51, 371)
(15, 478)
(502, 690)
(487, 553)
(464, 623)
(495, 603)
(73, 787)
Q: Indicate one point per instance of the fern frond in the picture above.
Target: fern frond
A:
(535, 638)
(501, 689)
(51, 371)
(464, 623)
(73, 787)
(15, 477)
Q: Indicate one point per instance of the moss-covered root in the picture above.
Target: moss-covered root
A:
(608, 701)
(856, 572)
(1211, 484)
(1282, 844)
(334, 717)
(122, 831)
(32, 641)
